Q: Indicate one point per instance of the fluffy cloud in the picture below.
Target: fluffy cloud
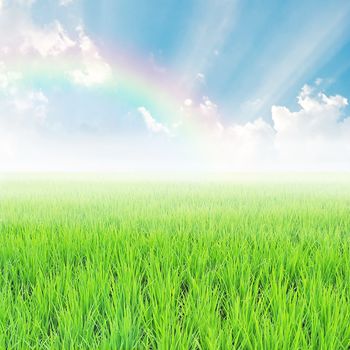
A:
(318, 118)
(250, 141)
(50, 41)
(151, 123)
(316, 137)
(316, 134)
(188, 102)
(203, 113)
(28, 38)
(94, 70)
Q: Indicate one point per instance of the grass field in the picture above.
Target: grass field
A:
(101, 263)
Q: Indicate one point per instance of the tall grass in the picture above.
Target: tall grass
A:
(103, 264)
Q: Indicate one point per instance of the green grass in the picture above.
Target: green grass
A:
(92, 262)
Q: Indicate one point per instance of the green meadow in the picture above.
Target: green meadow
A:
(243, 262)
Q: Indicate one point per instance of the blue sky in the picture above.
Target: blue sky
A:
(231, 61)
(256, 39)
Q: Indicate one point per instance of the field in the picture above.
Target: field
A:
(243, 263)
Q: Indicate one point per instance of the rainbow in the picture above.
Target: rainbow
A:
(129, 79)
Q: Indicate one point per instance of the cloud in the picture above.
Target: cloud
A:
(188, 102)
(207, 106)
(26, 37)
(53, 41)
(251, 139)
(315, 137)
(318, 116)
(235, 146)
(151, 123)
(316, 134)
(204, 114)
(50, 41)
(94, 70)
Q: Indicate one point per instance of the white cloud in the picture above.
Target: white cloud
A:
(208, 115)
(319, 116)
(204, 114)
(94, 70)
(188, 102)
(208, 107)
(50, 41)
(246, 146)
(316, 137)
(53, 41)
(252, 135)
(316, 134)
(94, 73)
(22, 36)
(151, 123)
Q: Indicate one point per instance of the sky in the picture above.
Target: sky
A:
(174, 85)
